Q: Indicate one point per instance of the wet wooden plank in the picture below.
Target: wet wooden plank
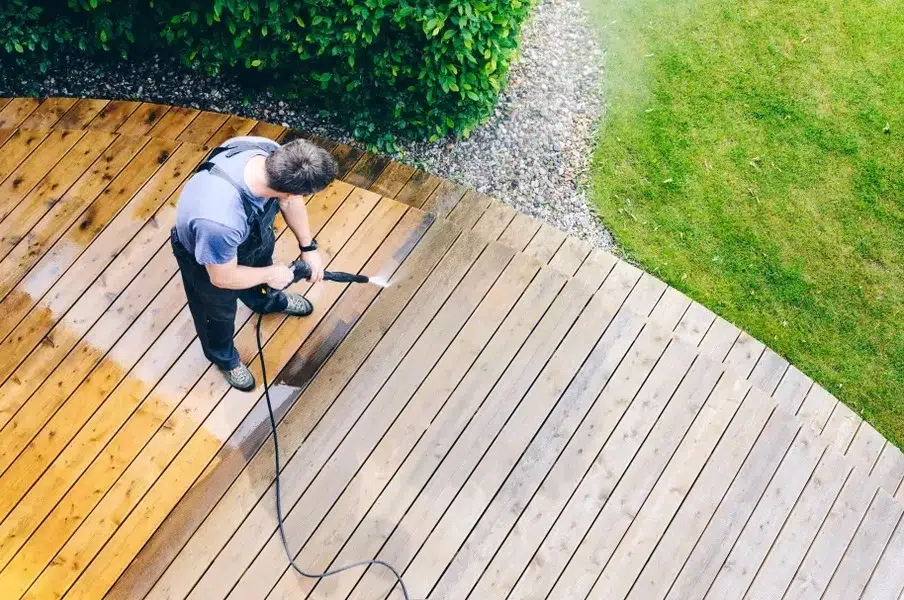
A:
(17, 110)
(800, 529)
(267, 130)
(419, 187)
(189, 514)
(202, 128)
(469, 210)
(392, 179)
(521, 416)
(171, 125)
(197, 407)
(48, 113)
(778, 444)
(433, 354)
(81, 113)
(570, 255)
(865, 550)
(48, 197)
(113, 115)
(233, 127)
(366, 171)
(805, 461)
(346, 157)
(26, 176)
(145, 117)
(444, 198)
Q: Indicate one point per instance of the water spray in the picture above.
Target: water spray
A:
(302, 270)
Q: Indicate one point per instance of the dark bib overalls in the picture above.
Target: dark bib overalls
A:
(213, 309)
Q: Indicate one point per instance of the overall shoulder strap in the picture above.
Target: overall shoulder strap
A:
(232, 149)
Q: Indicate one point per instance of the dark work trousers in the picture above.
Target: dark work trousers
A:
(213, 309)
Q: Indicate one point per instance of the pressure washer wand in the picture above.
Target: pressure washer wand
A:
(302, 270)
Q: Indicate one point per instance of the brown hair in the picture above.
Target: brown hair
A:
(300, 167)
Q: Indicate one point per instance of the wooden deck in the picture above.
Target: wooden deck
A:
(518, 416)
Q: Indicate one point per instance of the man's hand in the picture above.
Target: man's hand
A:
(316, 263)
(280, 276)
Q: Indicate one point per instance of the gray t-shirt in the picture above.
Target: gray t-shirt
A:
(210, 218)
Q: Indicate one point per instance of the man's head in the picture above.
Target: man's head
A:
(299, 168)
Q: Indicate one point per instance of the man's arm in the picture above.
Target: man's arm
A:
(233, 276)
(296, 215)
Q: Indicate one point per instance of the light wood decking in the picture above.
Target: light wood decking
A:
(517, 416)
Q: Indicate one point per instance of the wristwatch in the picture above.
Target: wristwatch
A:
(310, 247)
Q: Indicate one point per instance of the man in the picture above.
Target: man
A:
(224, 237)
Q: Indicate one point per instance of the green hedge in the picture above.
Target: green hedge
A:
(424, 68)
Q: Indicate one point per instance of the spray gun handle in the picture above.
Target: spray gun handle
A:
(301, 269)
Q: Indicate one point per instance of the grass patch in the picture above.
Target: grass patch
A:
(753, 157)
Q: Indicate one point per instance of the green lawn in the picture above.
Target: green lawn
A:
(753, 156)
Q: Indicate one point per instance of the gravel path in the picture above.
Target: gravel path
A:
(533, 153)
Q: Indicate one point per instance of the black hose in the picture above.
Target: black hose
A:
(279, 513)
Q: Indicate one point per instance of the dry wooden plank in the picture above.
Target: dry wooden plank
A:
(670, 309)
(367, 170)
(889, 469)
(801, 528)
(676, 489)
(171, 125)
(592, 406)
(521, 416)
(444, 198)
(587, 468)
(545, 243)
(38, 329)
(202, 127)
(866, 447)
(267, 130)
(768, 373)
(887, 580)
(719, 340)
(17, 110)
(520, 232)
(595, 269)
(702, 319)
(4, 102)
(6, 133)
(94, 527)
(48, 113)
(570, 256)
(494, 220)
(48, 197)
(346, 157)
(434, 357)
(469, 210)
(616, 485)
(392, 179)
(170, 538)
(806, 459)
(841, 427)
(865, 550)
(233, 127)
(82, 253)
(113, 114)
(81, 114)
(792, 390)
(17, 147)
(817, 408)
(219, 425)
(418, 189)
(399, 339)
(142, 413)
(21, 181)
(646, 294)
(833, 538)
(736, 502)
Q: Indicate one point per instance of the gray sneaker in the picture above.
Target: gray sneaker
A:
(298, 306)
(240, 378)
